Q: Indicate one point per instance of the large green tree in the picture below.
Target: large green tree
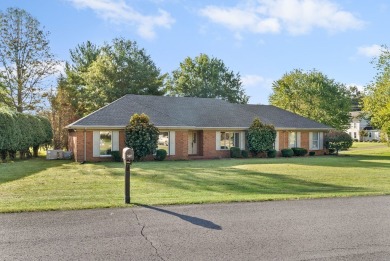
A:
(100, 75)
(376, 103)
(206, 77)
(25, 60)
(313, 95)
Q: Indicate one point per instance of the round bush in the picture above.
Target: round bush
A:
(312, 153)
(299, 151)
(116, 156)
(271, 153)
(244, 154)
(287, 152)
(235, 152)
(160, 155)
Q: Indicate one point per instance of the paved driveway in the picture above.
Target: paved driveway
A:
(323, 229)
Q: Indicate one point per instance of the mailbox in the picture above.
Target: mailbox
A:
(128, 155)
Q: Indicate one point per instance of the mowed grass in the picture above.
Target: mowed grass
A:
(39, 184)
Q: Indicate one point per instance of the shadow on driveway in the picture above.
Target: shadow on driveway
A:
(193, 220)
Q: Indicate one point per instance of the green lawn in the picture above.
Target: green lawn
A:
(38, 184)
(359, 145)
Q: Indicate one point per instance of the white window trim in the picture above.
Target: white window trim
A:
(171, 142)
(311, 135)
(276, 144)
(96, 143)
(289, 141)
(241, 141)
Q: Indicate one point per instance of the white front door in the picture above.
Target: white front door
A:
(192, 143)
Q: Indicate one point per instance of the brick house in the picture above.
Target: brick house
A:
(190, 128)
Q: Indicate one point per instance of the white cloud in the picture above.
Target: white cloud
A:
(273, 16)
(60, 68)
(370, 50)
(257, 87)
(239, 19)
(119, 12)
(359, 86)
(251, 80)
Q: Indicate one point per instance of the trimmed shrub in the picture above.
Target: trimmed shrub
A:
(235, 152)
(271, 153)
(161, 154)
(244, 154)
(142, 136)
(116, 156)
(20, 132)
(355, 140)
(299, 151)
(287, 153)
(261, 137)
(338, 140)
(312, 153)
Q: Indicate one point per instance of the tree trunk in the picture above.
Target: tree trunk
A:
(35, 151)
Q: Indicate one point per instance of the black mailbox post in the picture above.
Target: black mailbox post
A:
(128, 157)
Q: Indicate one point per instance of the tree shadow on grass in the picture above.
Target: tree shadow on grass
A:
(19, 169)
(250, 182)
(193, 220)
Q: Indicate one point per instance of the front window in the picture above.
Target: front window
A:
(163, 141)
(105, 143)
(315, 141)
(354, 135)
(292, 140)
(229, 139)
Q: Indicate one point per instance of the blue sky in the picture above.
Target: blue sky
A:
(260, 39)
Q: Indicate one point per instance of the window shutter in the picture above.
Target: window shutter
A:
(218, 140)
(172, 142)
(277, 141)
(310, 140)
(96, 143)
(298, 139)
(321, 142)
(242, 140)
(115, 140)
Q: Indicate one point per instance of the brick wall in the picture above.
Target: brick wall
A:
(181, 144)
(209, 146)
(206, 145)
(283, 141)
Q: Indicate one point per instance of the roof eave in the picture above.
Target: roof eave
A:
(110, 127)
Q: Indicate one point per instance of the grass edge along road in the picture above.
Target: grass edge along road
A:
(38, 184)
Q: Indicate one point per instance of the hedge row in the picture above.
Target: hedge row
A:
(20, 132)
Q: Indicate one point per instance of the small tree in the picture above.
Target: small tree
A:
(142, 136)
(26, 60)
(338, 140)
(261, 137)
(363, 134)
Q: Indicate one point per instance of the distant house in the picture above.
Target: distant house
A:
(190, 128)
(360, 123)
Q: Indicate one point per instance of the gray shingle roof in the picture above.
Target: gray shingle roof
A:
(189, 112)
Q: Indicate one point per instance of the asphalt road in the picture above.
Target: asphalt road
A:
(323, 229)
